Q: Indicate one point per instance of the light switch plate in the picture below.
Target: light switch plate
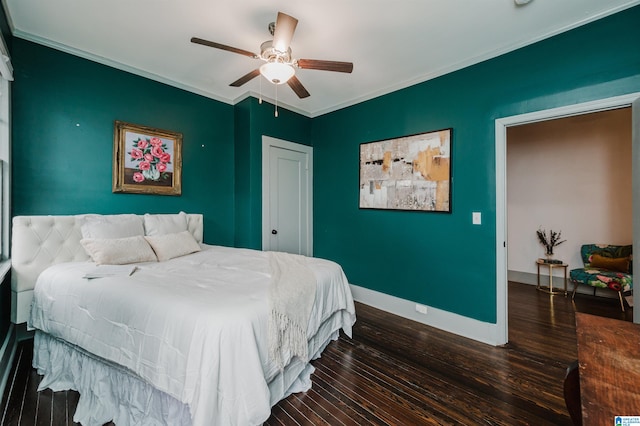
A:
(476, 218)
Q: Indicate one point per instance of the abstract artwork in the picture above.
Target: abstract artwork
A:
(407, 173)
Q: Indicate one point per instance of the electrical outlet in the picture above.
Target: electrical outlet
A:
(421, 308)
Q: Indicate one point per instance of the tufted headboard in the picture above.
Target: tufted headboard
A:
(38, 242)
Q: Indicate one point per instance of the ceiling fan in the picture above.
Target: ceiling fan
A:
(279, 66)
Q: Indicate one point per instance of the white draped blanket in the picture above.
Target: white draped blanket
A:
(291, 296)
(194, 327)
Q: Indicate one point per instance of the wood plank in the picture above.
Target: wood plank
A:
(337, 414)
(30, 407)
(318, 414)
(15, 394)
(344, 406)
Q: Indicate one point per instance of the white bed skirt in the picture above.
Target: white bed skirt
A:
(109, 392)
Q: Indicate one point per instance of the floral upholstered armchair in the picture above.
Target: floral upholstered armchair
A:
(605, 266)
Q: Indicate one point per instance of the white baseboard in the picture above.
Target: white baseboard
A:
(523, 277)
(453, 323)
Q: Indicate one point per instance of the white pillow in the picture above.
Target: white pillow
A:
(112, 226)
(169, 246)
(161, 224)
(118, 251)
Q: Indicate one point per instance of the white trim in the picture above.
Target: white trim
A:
(6, 69)
(501, 125)
(5, 169)
(447, 321)
(5, 267)
(502, 289)
(267, 142)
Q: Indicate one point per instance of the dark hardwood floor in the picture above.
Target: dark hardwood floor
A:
(398, 372)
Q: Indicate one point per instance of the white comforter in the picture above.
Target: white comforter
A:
(195, 327)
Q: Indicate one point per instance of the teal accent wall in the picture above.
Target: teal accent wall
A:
(252, 121)
(442, 260)
(64, 109)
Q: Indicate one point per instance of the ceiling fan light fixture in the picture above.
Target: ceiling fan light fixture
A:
(277, 72)
(280, 65)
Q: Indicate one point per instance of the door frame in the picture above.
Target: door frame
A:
(501, 124)
(267, 143)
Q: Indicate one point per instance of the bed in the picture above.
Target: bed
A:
(181, 340)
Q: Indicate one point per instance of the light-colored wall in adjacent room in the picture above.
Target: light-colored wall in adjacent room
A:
(571, 175)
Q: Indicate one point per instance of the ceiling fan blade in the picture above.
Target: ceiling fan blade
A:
(245, 78)
(285, 27)
(223, 47)
(316, 64)
(297, 87)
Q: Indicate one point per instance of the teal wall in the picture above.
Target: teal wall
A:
(64, 109)
(252, 121)
(442, 260)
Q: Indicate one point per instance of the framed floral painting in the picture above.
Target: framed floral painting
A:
(146, 160)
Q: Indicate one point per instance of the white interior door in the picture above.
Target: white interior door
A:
(286, 196)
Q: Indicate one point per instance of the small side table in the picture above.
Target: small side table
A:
(549, 289)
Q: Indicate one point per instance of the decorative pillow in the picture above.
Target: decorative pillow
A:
(118, 251)
(162, 224)
(169, 246)
(112, 226)
(619, 264)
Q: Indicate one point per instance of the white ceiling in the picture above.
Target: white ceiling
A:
(392, 43)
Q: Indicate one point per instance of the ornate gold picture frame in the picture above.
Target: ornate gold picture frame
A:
(146, 160)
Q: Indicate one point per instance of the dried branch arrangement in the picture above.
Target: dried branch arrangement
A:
(549, 241)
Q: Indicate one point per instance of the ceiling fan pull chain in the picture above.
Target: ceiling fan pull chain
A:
(260, 97)
(276, 113)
